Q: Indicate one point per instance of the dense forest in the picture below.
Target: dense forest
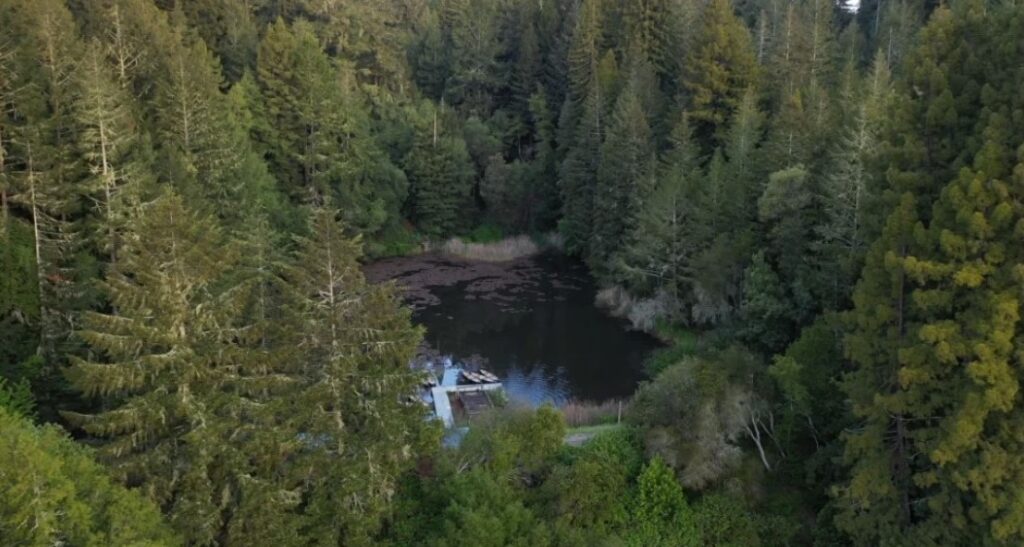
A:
(816, 203)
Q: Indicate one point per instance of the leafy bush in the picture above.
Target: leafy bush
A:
(682, 341)
(395, 240)
(660, 514)
(485, 233)
(55, 494)
(16, 398)
(725, 521)
(508, 440)
(592, 491)
(695, 414)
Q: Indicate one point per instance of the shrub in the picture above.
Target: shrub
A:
(682, 343)
(16, 397)
(694, 415)
(485, 233)
(56, 494)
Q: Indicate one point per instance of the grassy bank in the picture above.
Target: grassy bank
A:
(680, 341)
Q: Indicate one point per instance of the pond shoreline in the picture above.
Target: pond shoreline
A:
(531, 320)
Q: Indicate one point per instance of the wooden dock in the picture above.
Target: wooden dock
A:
(443, 406)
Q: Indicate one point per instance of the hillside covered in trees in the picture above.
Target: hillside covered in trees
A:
(820, 205)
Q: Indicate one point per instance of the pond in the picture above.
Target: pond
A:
(531, 321)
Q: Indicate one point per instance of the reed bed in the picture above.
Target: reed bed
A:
(585, 413)
(505, 250)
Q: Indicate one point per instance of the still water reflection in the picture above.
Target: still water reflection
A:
(533, 321)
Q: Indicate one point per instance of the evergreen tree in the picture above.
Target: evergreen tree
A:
(652, 28)
(528, 67)
(625, 178)
(766, 311)
(248, 190)
(440, 176)
(429, 58)
(108, 137)
(19, 299)
(937, 370)
(471, 29)
(503, 189)
(891, 25)
(228, 28)
(43, 153)
(661, 514)
(779, 285)
(881, 492)
(719, 69)
(191, 117)
(724, 254)
(167, 367)
(961, 367)
(784, 210)
(802, 52)
(317, 136)
(206, 144)
(744, 164)
(791, 140)
(9, 89)
(543, 189)
(139, 41)
(578, 173)
(19, 294)
(927, 141)
(664, 244)
(354, 344)
(726, 215)
(584, 53)
(16, 398)
(844, 190)
(286, 75)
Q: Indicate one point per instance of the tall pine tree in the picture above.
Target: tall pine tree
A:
(170, 370)
(719, 68)
(354, 345)
(625, 178)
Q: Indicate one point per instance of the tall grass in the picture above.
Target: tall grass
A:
(504, 250)
(583, 413)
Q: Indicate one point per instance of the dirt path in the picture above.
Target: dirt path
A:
(582, 435)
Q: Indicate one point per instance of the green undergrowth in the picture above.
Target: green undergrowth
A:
(485, 233)
(395, 240)
(681, 342)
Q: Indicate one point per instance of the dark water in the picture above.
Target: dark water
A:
(538, 329)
